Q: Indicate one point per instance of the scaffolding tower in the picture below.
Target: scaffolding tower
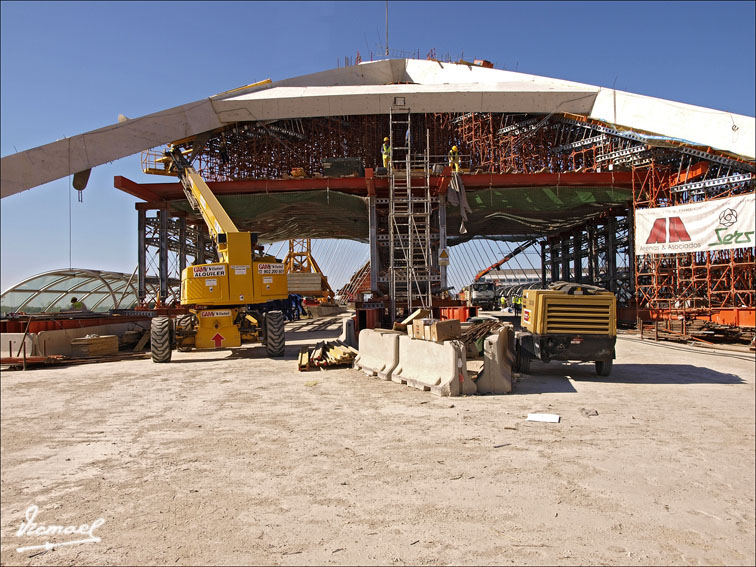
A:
(409, 218)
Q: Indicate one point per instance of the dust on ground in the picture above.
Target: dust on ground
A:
(228, 457)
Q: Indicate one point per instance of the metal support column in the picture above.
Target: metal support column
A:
(577, 254)
(442, 235)
(555, 275)
(611, 253)
(163, 254)
(592, 254)
(375, 263)
(631, 249)
(182, 245)
(565, 259)
(543, 263)
(142, 255)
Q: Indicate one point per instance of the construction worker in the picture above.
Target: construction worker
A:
(454, 158)
(503, 302)
(386, 152)
(77, 305)
(517, 303)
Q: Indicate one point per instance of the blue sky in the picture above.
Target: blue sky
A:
(70, 67)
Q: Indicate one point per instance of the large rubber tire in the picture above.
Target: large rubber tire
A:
(160, 339)
(275, 341)
(185, 322)
(523, 363)
(604, 367)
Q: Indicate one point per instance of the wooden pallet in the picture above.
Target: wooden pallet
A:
(326, 354)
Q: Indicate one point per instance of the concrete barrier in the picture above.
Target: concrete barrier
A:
(379, 352)
(498, 358)
(347, 335)
(440, 368)
(324, 310)
(59, 341)
(10, 344)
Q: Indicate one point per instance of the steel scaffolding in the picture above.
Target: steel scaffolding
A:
(409, 219)
(598, 252)
(693, 281)
(166, 245)
(665, 172)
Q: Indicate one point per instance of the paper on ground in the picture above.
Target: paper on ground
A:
(547, 417)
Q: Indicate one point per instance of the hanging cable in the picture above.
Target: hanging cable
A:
(70, 224)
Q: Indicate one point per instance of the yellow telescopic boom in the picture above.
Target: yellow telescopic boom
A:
(202, 199)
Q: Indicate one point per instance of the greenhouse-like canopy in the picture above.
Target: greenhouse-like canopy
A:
(51, 292)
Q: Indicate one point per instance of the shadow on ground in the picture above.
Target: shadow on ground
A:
(634, 374)
(540, 384)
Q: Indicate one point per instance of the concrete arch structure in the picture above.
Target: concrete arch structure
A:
(371, 88)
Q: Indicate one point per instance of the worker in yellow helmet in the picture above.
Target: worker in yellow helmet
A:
(454, 158)
(77, 305)
(517, 304)
(386, 152)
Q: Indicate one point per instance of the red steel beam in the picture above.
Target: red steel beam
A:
(154, 192)
(139, 190)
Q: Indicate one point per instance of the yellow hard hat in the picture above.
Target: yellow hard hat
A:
(385, 139)
(454, 148)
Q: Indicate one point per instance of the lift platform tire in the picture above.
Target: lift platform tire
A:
(275, 341)
(604, 367)
(523, 362)
(160, 339)
(184, 323)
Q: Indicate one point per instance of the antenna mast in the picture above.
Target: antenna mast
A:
(386, 28)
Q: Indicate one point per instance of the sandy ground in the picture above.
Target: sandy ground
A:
(231, 458)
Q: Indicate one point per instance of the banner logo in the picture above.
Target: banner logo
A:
(728, 217)
(677, 231)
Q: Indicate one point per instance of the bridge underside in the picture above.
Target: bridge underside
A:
(515, 212)
(558, 177)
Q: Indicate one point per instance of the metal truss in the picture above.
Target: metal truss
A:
(598, 252)
(666, 172)
(166, 245)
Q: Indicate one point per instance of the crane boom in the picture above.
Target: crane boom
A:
(203, 200)
(506, 258)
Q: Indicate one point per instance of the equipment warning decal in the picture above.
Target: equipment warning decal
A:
(526, 315)
(270, 268)
(221, 313)
(208, 271)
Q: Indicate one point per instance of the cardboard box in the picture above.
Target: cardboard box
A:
(435, 330)
(445, 330)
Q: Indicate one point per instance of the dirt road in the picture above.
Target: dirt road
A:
(231, 458)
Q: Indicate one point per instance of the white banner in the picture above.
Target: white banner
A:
(709, 225)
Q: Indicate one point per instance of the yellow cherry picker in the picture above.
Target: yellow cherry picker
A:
(232, 301)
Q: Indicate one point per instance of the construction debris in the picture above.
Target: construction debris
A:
(14, 363)
(94, 345)
(326, 354)
(684, 330)
(475, 334)
(417, 314)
